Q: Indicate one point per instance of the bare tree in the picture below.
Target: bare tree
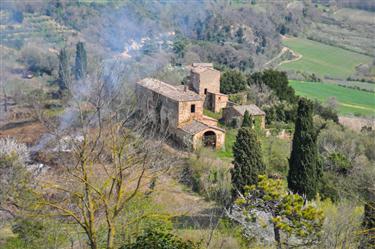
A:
(109, 152)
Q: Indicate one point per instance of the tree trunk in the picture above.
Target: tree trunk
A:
(110, 236)
(277, 236)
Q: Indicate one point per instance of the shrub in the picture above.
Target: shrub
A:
(160, 240)
(38, 60)
(208, 176)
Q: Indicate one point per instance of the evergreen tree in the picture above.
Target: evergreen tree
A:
(64, 73)
(304, 170)
(247, 120)
(81, 61)
(248, 163)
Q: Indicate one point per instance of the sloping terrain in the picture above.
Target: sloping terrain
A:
(350, 101)
(323, 60)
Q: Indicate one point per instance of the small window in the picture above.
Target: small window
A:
(219, 98)
(205, 91)
(192, 108)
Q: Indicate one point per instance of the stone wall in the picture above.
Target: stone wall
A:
(159, 109)
(219, 102)
(209, 79)
(184, 111)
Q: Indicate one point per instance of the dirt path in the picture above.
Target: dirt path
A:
(297, 57)
(282, 52)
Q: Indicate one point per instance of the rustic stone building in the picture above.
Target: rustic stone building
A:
(179, 112)
(205, 80)
(233, 115)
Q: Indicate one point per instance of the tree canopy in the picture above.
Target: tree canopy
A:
(248, 162)
(277, 81)
(80, 69)
(288, 212)
(232, 81)
(304, 171)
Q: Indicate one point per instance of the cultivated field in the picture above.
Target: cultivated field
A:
(323, 60)
(351, 101)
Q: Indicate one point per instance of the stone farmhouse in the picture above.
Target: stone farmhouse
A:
(178, 110)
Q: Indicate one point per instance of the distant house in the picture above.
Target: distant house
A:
(233, 115)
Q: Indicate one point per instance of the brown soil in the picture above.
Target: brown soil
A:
(24, 132)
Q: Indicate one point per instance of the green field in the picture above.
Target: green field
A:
(323, 60)
(350, 101)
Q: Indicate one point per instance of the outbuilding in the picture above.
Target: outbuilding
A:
(233, 115)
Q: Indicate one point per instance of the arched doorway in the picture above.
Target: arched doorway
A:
(209, 139)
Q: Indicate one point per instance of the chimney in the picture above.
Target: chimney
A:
(185, 88)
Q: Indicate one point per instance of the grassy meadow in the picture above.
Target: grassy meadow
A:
(322, 59)
(351, 101)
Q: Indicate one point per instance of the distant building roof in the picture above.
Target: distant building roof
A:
(203, 64)
(178, 93)
(202, 69)
(252, 109)
(196, 126)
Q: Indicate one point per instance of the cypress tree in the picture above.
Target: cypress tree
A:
(80, 68)
(304, 171)
(248, 163)
(64, 73)
(247, 120)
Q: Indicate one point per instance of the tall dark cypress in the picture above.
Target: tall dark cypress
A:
(304, 172)
(64, 72)
(247, 120)
(80, 68)
(248, 163)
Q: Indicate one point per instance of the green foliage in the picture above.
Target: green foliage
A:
(337, 162)
(289, 213)
(208, 176)
(339, 232)
(141, 214)
(33, 233)
(64, 72)
(304, 170)
(277, 81)
(80, 69)
(28, 230)
(38, 60)
(179, 46)
(281, 112)
(325, 112)
(247, 120)
(160, 240)
(232, 81)
(248, 162)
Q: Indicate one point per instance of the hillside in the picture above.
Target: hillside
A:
(350, 101)
(201, 124)
(323, 60)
